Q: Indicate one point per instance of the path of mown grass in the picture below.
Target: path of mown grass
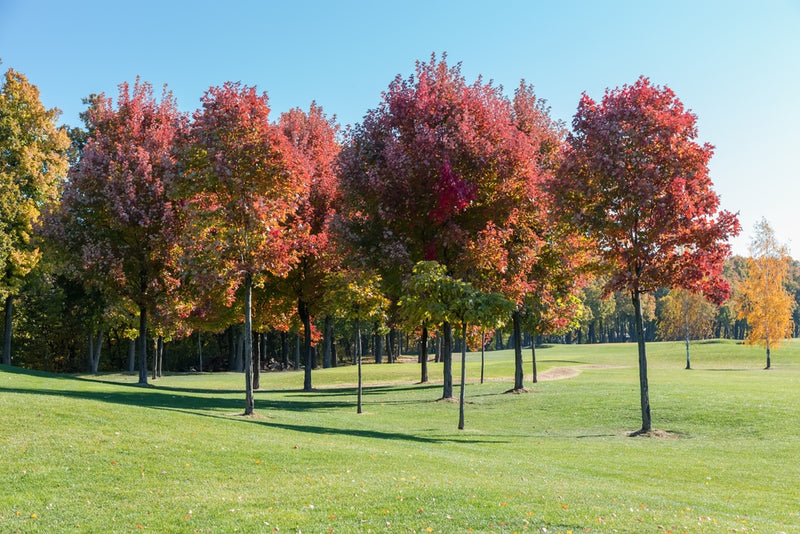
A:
(99, 454)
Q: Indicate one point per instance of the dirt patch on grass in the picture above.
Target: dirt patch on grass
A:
(518, 391)
(559, 373)
(653, 434)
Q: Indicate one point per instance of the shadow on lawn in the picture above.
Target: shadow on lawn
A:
(200, 402)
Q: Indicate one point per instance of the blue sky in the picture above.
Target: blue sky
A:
(736, 64)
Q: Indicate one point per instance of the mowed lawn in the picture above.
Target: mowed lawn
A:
(100, 454)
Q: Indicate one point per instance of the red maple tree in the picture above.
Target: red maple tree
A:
(635, 180)
(239, 193)
(313, 134)
(116, 214)
(438, 167)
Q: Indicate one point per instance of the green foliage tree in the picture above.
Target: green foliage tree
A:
(685, 315)
(357, 296)
(33, 160)
(431, 296)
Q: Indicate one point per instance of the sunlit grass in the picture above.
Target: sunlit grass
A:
(100, 454)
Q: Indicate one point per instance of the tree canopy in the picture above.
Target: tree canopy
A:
(635, 180)
(33, 161)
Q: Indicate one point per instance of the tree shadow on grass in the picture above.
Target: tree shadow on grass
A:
(350, 432)
(205, 402)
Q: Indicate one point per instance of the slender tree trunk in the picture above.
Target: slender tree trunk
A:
(241, 345)
(326, 343)
(334, 356)
(91, 349)
(284, 350)
(533, 358)
(142, 345)
(357, 355)
(257, 362)
(447, 361)
(7, 331)
(519, 373)
(155, 358)
(423, 355)
(131, 355)
(200, 351)
(769, 363)
(160, 353)
(483, 353)
(97, 349)
(305, 317)
(296, 351)
(686, 325)
(463, 375)
(390, 346)
(378, 345)
(643, 386)
(249, 402)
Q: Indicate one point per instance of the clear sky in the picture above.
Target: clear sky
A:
(734, 63)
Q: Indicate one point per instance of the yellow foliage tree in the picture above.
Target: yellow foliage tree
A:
(764, 302)
(32, 161)
(685, 315)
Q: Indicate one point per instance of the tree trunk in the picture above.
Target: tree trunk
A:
(334, 357)
(533, 357)
(131, 355)
(284, 351)
(483, 353)
(463, 375)
(7, 334)
(97, 349)
(769, 363)
(296, 351)
(423, 355)
(161, 349)
(643, 387)
(519, 373)
(200, 351)
(241, 344)
(686, 325)
(155, 358)
(142, 345)
(249, 403)
(378, 345)
(357, 355)
(305, 317)
(91, 350)
(257, 362)
(447, 361)
(390, 346)
(326, 343)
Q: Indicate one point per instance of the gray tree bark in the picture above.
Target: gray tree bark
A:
(7, 331)
(519, 373)
(249, 403)
(142, 346)
(643, 385)
(463, 376)
(447, 361)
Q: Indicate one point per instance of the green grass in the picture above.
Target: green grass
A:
(100, 454)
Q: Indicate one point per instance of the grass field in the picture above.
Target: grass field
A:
(100, 454)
